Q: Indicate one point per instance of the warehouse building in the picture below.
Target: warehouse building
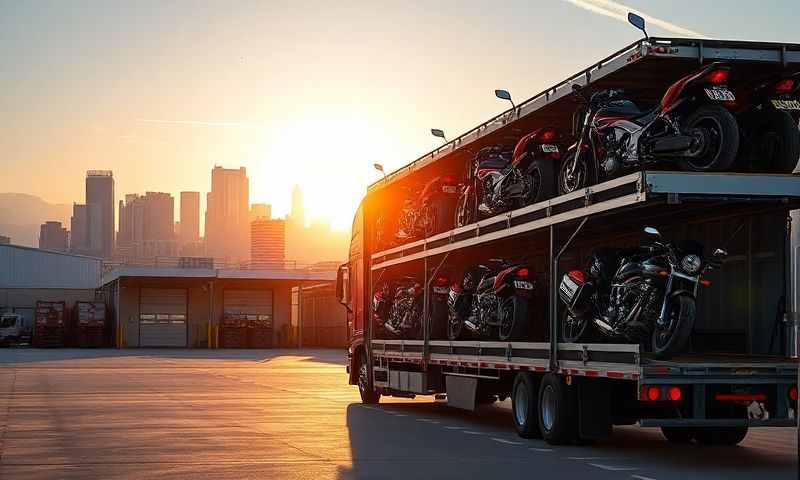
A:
(204, 308)
(31, 274)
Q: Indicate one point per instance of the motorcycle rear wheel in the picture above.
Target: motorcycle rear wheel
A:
(540, 182)
(574, 329)
(671, 338)
(718, 133)
(513, 319)
(454, 327)
(465, 211)
(774, 145)
(569, 183)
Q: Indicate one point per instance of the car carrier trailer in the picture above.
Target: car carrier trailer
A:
(741, 370)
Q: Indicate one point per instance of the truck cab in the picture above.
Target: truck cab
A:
(350, 291)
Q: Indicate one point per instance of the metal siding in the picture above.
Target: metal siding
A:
(158, 326)
(248, 302)
(22, 267)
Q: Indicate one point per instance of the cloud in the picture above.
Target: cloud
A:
(619, 12)
(201, 123)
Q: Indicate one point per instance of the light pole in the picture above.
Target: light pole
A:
(438, 133)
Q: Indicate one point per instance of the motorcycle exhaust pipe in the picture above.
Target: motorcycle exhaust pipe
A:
(675, 144)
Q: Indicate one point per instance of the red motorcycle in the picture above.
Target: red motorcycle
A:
(691, 126)
(424, 212)
(501, 180)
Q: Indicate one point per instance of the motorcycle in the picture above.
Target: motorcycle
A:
(400, 316)
(768, 116)
(691, 126)
(644, 295)
(424, 213)
(500, 180)
(491, 302)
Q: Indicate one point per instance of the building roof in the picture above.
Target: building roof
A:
(27, 267)
(253, 274)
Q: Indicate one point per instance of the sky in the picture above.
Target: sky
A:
(307, 93)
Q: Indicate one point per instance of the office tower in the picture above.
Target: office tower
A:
(79, 229)
(268, 243)
(227, 230)
(146, 225)
(190, 218)
(52, 236)
(100, 213)
(297, 215)
(260, 210)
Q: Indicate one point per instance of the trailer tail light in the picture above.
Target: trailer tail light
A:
(578, 276)
(547, 135)
(523, 273)
(740, 397)
(717, 77)
(449, 180)
(650, 393)
(793, 393)
(675, 393)
(705, 282)
(784, 86)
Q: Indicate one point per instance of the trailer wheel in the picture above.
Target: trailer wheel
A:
(678, 434)
(525, 405)
(728, 436)
(557, 411)
(368, 396)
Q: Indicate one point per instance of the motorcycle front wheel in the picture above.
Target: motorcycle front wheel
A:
(570, 182)
(454, 326)
(716, 136)
(465, 211)
(670, 338)
(574, 328)
(513, 318)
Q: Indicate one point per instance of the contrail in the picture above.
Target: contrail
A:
(619, 12)
(201, 123)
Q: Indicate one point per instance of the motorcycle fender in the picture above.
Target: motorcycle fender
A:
(677, 293)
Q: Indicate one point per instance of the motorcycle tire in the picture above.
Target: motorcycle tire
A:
(580, 332)
(774, 145)
(724, 132)
(541, 177)
(579, 180)
(516, 309)
(455, 326)
(682, 311)
(465, 210)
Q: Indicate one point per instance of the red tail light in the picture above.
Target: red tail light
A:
(441, 281)
(793, 394)
(705, 282)
(449, 180)
(547, 135)
(522, 273)
(578, 276)
(674, 393)
(784, 86)
(651, 393)
(717, 77)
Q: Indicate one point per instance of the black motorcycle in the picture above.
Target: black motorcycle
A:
(643, 295)
(690, 126)
(768, 115)
(397, 308)
(491, 303)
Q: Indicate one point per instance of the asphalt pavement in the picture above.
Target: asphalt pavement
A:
(289, 414)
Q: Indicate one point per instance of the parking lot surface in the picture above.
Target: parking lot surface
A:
(245, 414)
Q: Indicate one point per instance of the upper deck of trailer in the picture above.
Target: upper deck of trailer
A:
(639, 191)
(644, 69)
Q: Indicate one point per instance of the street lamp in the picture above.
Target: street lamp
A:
(379, 168)
(504, 95)
(438, 133)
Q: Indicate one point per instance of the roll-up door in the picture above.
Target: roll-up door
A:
(252, 304)
(162, 318)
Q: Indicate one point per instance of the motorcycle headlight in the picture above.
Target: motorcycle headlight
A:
(691, 264)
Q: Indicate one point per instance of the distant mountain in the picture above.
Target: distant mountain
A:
(22, 214)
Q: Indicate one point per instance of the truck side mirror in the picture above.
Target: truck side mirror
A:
(342, 286)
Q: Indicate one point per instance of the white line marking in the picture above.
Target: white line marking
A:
(507, 442)
(427, 420)
(612, 468)
(642, 477)
(470, 432)
(541, 449)
(455, 428)
(589, 458)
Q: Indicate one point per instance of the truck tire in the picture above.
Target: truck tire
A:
(678, 434)
(368, 396)
(557, 411)
(718, 133)
(525, 405)
(727, 436)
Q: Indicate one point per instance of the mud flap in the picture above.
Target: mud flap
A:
(594, 409)
(461, 392)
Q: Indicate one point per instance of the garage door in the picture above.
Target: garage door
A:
(162, 318)
(255, 304)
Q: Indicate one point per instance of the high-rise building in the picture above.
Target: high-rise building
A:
(297, 214)
(260, 210)
(100, 213)
(227, 230)
(146, 225)
(79, 229)
(267, 243)
(52, 236)
(190, 218)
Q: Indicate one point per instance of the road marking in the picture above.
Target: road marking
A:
(612, 468)
(642, 477)
(427, 420)
(470, 432)
(589, 458)
(455, 428)
(541, 449)
(507, 442)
